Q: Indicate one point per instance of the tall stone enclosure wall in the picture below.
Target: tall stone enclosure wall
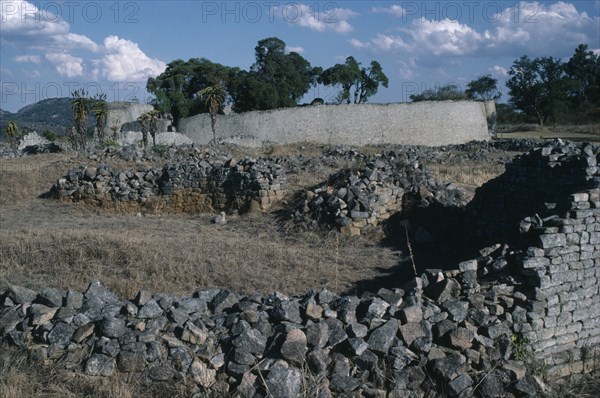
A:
(120, 113)
(422, 123)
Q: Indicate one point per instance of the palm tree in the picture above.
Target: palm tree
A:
(100, 112)
(12, 132)
(153, 118)
(214, 96)
(143, 119)
(79, 106)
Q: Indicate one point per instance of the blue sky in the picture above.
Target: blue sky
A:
(49, 48)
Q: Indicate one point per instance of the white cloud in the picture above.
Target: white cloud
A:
(26, 26)
(5, 72)
(540, 29)
(335, 20)
(499, 71)
(295, 49)
(66, 64)
(532, 28)
(34, 59)
(125, 61)
(596, 51)
(437, 38)
(395, 10)
(408, 70)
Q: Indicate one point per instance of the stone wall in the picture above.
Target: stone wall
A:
(120, 113)
(532, 298)
(563, 266)
(547, 204)
(422, 123)
(539, 182)
(194, 185)
(441, 334)
(355, 199)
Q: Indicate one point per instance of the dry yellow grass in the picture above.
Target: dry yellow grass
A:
(45, 243)
(472, 173)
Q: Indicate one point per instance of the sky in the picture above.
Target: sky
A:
(50, 48)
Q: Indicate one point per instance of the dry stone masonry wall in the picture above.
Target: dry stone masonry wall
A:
(441, 333)
(548, 204)
(563, 266)
(356, 199)
(539, 182)
(528, 301)
(422, 123)
(193, 185)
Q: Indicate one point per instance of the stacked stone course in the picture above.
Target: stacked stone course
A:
(192, 185)
(447, 325)
(535, 295)
(356, 199)
(563, 266)
(548, 204)
(539, 182)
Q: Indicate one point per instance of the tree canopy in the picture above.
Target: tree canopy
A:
(177, 88)
(554, 91)
(277, 79)
(484, 89)
(354, 81)
(449, 92)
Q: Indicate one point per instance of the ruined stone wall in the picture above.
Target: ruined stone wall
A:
(479, 330)
(548, 204)
(563, 267)
(539, 182)
(423, 123)
(195, 185)
(120, 113)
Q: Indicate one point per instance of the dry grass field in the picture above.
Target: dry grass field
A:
(46, 243)
(588, 133)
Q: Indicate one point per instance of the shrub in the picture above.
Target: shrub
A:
(110, 143)
(49, 135)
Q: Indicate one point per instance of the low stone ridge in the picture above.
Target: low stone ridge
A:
(190, 185)
(259, 345)
(533, 296)
(354, 199)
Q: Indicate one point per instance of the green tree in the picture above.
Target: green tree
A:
(349, 76)
(449, 92)
(79, 107)
(345, 75)
(176, 88)
(583, 74)
(538, 87)
(276, 80)
(214, 96)
(483, 89)
(12, 132)
(100, 112)
(49, 135)
(143, 120)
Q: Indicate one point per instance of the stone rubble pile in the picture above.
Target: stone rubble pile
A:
(196, 183)
(539, 182)
(444, 332)
(30, 144)
(355, 199)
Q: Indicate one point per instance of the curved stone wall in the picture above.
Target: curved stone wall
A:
(422, 123)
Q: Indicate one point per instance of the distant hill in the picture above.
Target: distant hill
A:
(51, 114)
